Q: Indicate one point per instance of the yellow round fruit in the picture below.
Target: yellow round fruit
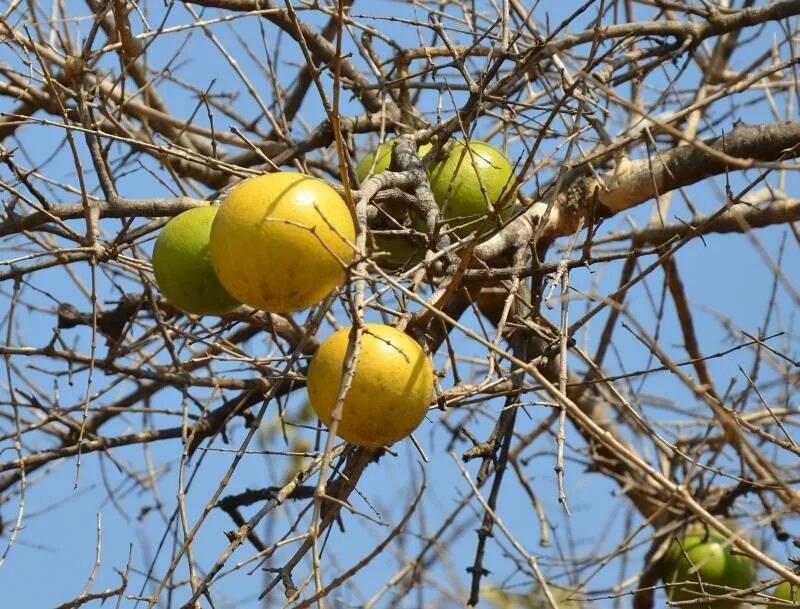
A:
(390, 392)
(281, 240)
(456, 182)
(182, 266)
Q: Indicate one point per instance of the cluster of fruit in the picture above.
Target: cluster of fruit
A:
(463, 182)
(702, 565)
(280, 242)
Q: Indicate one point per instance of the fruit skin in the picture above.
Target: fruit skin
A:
(182, 266)
(463, 202)
(276, 240)
(400, 251)
(710, 562)
(784, 591)
(384, 154)
(391, 388)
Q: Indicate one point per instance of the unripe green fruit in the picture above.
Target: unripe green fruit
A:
(457, 179)
(182, 266)
(707, 568)
(501, 598)
(784, 591)
(400, 251)
(384, 159)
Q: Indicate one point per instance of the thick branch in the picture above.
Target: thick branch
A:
(634, 182)
(322, 50)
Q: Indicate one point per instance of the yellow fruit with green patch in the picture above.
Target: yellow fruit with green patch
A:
(390, 391)
(281, 241)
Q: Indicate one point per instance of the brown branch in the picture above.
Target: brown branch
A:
(131, 49)
(738, 218)
(322, 51)
(634, 182)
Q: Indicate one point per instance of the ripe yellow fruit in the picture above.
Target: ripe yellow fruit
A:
(457, 179)
(280, 241)
(182, 266)
(391, 389)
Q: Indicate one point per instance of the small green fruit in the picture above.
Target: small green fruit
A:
(784, 591)
(370, 166)
(457, 179)
(384, 158)
(499, 598)
(707, 568)
(182, 266)
(400, 251)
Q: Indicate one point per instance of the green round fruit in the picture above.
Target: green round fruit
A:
(784, 591)
(370, 166)
(456, 182)
(400, 251)
(384, 158)
(183, 268)
(707, 568)
(501, 598)
(397, 251)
